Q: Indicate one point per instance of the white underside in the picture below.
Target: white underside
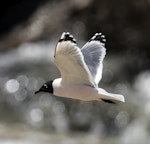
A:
(82, 92)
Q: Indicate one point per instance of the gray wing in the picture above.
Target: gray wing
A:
(94, 52)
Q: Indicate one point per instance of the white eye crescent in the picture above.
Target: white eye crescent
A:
(45, 85)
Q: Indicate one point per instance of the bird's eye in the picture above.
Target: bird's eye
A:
(45, 85)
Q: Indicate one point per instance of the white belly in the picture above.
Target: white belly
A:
(73, 91)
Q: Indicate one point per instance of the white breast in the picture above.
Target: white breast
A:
(73, 91)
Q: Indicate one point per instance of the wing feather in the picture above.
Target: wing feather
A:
(69, 60)
(94, 52)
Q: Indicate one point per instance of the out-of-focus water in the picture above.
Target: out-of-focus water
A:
(27, 118)
(21, 134)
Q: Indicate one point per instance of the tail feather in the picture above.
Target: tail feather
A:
(108, 101)
(110, 97)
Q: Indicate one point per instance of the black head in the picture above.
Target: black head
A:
(46, 87)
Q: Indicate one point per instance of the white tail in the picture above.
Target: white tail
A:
(109, 97)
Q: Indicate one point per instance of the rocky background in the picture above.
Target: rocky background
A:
(29, 31)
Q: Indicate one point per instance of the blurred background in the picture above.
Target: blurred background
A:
(29, 31)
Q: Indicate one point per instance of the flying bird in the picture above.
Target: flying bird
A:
(81, 70)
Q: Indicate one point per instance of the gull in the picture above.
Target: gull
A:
(81, 70)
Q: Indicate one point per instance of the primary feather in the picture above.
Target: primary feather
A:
(94, 52)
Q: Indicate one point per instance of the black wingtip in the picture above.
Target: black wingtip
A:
(66, 36)
(99, 37)
(108, 101)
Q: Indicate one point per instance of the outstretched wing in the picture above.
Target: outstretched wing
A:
(94, 52)
(69, 60)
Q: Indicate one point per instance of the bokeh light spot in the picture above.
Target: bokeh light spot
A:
(58, 107)
(142, 84)
(12, 85)
(122, 119)
(107, 75)
(121, 88)
(36, 115)
(21, 95)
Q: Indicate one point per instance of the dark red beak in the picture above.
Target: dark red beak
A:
(37, 92)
